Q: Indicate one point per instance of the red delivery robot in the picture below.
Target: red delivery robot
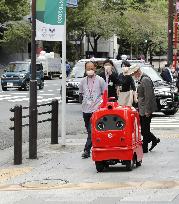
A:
(116, 136)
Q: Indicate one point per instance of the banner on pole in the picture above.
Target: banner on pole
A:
(50, 19)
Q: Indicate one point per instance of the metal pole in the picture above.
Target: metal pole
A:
(159, 62)
(64, 86)
(88, 56)
(131, 52)
(176, 39)
(170, 31)
(54, 122)
(33, 91)
(17, 135)
(176, 34)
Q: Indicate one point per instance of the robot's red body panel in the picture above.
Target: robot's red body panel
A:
(116, 136)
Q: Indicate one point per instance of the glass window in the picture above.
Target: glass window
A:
(154, 75)
(18, 67)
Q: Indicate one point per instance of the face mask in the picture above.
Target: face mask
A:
(90, 73)
(108, 69)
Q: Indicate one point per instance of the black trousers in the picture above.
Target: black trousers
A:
(87, 117)
(145, 131)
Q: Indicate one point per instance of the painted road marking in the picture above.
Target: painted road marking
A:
(19, 93)
(55, 184)
(165, 122)
(6, 174)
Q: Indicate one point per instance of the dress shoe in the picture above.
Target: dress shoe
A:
(145, 151)
(85, 155)
(154, 143)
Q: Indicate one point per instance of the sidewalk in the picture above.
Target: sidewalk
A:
(59, 175)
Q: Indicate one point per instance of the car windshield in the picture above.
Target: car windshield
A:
(18, 67)
(154, 75)
(78, 70)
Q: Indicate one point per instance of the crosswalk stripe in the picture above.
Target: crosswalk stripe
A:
(164, 125)
(165, 122)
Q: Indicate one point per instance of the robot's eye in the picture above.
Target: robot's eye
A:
(105, 119)
(100, 126)
(119, 124)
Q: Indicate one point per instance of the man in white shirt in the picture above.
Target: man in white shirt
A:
(91, 89)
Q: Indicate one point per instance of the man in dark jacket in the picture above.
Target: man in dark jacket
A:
(147, 105)
(167, 74)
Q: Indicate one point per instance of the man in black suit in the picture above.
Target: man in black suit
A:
(147, 105)
(167, 74)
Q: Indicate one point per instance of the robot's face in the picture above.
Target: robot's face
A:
(110, 122)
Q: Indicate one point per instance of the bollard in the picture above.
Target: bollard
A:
(54, 122)
(17, 135)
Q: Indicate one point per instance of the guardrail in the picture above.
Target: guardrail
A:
(18, 125)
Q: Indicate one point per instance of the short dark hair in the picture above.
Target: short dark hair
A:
(125, 63)
(90, 62)
(167, 65)
(108, 61)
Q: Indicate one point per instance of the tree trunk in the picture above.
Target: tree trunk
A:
(137, 51)
(95, 51)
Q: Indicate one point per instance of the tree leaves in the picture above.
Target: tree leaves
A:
(13, 10)
(17, 33)
(17, 36)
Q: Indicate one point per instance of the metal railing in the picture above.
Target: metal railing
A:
(18, 125)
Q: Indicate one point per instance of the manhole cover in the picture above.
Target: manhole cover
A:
(45, 183)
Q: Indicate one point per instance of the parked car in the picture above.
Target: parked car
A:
(166, 94)
(17, 75)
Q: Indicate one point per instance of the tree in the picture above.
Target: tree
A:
(17, 36)
(145, 26)
(14, 34)
(95, 19)
(141, 24)
(76, 22)
(102, 18)
(13, 10)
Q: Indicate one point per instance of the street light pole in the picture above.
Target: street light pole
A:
(147, 57)
(170, 31)
(176, 34)
(33, 91)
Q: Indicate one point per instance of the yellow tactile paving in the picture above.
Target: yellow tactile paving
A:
(92, 186)
(10, 173)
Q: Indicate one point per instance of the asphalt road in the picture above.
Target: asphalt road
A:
(74, 121)
(51, 91)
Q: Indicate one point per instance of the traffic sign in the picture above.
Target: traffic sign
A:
(72, 3)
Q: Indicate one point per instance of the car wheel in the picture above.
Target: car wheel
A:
(129, 165)
(50, 77)
(4, 88)
(99, 166)
(41, 86)
(26, 86)
(170, 112)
